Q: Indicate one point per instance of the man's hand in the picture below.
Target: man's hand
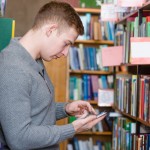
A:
(79, 108)
(87, 123)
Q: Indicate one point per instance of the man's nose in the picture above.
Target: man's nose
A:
(66, 50)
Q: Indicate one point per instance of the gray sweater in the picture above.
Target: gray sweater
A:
(28, 112)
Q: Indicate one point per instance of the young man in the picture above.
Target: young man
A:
(28, 112)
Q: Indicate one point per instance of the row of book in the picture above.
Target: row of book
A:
(144, 98)
(96, 30)
(122, 134)
(86, 87)
(126, 138)
(126, 91)
(141, 141)
(133, 29)
(126, 95)
(112, 10)
(76, 144)
(86, 58)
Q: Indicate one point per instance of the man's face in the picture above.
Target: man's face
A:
(58, 44)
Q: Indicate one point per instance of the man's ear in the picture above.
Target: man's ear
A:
(51, 28)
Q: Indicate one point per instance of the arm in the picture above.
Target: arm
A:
(15, 115)
(81, 109)
(74, 108)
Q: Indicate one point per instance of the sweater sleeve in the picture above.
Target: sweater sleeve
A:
(60, 111)
(15, 115)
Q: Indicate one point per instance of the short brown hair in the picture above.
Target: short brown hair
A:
(59, 12)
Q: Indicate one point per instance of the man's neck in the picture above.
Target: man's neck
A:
(30, 42)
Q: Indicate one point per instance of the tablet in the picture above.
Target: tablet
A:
(101, 114)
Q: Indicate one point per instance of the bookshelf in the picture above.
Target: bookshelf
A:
(89, 10)
(132, 90)
(89, 72)
(101, 42)
(106, 135)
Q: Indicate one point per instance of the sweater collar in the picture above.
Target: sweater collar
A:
(21, 52)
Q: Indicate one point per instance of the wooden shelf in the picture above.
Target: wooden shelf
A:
(129, 64)
(102, 42)
(132, 117)
(95, 133)
(90, 72)
(122, 73)
(93, 102)
(88, 10)
(143, 122)
(125, 114)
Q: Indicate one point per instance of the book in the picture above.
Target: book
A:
(95, 86)
(80, 50)
(85, 86)
(69, 147)
(105, 97)
(138, 55)
(89, 4)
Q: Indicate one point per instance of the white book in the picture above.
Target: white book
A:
(69, 147)
(81, 56)
(105, 97)
(81, 146)
(100, 83)
(91, 143)
(114, 114)
(87, 147)
(96, 147)
(100, 126)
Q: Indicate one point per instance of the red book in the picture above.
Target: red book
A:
(142, 99)
(148, 19)
(95, 86)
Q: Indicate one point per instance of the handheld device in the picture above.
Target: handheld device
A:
(101, 114)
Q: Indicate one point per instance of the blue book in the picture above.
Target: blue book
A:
(76, 58)
(71, 87)
(95, 59)
(98, 142)
(148, 141)
(85, 86)
(84, 22)
(112, 30)
(88, 20)
(71, 61)
(89, 87)
(86, 59)
(104, 82)
(91, 57)
(75, 143)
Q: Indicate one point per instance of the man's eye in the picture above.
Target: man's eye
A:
(66, 44)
